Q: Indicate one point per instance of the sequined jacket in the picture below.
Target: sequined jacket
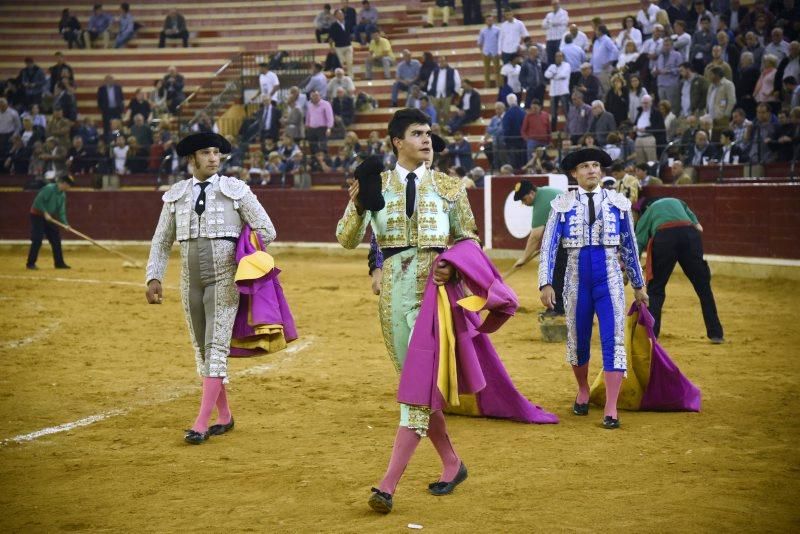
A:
(567, 227)
(229, 206)
(443, 212)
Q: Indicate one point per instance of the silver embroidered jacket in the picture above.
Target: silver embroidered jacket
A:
(567, 227)
(229, 206)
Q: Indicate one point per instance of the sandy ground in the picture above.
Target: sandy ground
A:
(314, 425)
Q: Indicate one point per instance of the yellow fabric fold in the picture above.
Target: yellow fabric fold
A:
(254, 266)
(473, 303)
(447, 379)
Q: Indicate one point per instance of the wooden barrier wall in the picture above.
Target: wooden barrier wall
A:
(739, 220)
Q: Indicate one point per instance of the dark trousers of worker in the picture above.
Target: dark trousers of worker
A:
(682, 245)
(559, 270)
(40, 229)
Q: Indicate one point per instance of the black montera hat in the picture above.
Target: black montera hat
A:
(368, 174)
(522, 188)
(573, 159)
(198, 141)
(437, 143)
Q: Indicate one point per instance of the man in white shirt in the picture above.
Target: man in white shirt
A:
(268, 83)
(511, 72)
(682, 41)
(443, 83)
(652, 46)
(578, 37)
(558, 73)
(512, 32)
(646, 17)
(555, 24)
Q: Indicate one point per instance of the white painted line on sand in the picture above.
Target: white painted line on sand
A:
(86, 421)
(41, 334)
(79, 280)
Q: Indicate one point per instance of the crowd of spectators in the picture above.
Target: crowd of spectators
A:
(675, 85)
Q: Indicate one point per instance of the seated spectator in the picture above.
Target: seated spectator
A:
(18, 157)
(287, 147)
(127, 26)
(374, 143)
(459, 152)
(275, 166)
(339, 80)
(70, 29)
(88, 131)
(204, 123)
(613, 146)
(120, 155)
(367, 23)
(344, 158)
(141, 132)
(468, 109)
(343, 111)
(298, 167)
(98, 28)
(332, 61)
(174, 28)
(31, 134)
(321, 162)
(36, 167)
(138, 157)
(679, 174)
(642, 172)
(602, 122)
(316, 82)
(38, 118)
(729, 152)
(493, 140)
(588, 140)
(415, 94)
(138, 106)
(379, 53)
(442, 8)
(426, 106)
(104, 161)
(54, 156)
(784, 142)
(80, 158)
(702, 152)
(352, 142)
(158, 98)
(629, 58)
(64, 98)
(322, 22)
(173, 86)
(407, 73)
(477, 174)
(59, 127)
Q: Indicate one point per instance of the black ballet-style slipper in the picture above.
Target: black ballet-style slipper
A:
(194, 437)
(445, 488)
(380, 501)
(580, 409)
(610, 423)
(218, 430)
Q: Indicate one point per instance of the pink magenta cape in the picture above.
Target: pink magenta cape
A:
(480, 372)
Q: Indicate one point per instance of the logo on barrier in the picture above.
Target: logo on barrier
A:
(517, 217)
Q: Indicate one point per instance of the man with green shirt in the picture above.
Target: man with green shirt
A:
(50, 203)
(540, 198)
(670, 232)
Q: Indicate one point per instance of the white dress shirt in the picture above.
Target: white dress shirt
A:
(403, 173)
(555, 24)
(196, 187)
(584, 199)
(511, 34)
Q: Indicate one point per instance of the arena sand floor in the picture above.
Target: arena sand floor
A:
(314, 424)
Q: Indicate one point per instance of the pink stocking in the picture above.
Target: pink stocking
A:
(223, 410)
(613, 384)
(437, 431)
(211, 389)
(405, 443)
(582, 376)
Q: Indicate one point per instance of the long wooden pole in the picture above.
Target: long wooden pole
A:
(93, 242)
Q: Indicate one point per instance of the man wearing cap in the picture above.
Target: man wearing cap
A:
(414, 213)
(50, 203)
(596, 228)
(206, 214)
(540, 198)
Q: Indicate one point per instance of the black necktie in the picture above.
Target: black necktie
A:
(200, 205)
(592, 214)
(411, 193)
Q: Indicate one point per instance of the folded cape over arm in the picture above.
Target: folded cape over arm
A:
(264, 323)
(451, 362)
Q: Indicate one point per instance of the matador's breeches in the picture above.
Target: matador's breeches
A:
(593, 284)
(404, 278)
(210, 300)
